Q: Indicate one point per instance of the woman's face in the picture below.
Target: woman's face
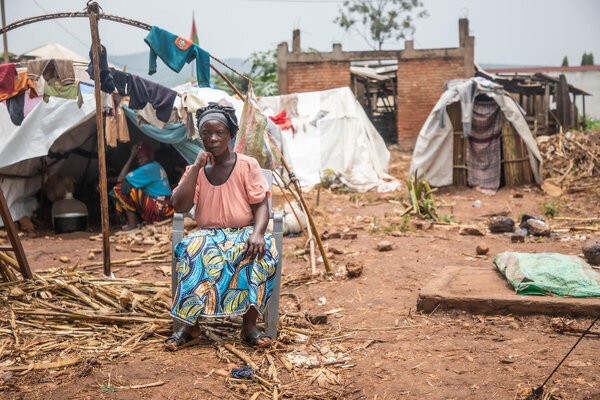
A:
(215, 137)
(143, 159)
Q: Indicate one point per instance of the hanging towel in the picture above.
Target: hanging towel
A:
(144, 91)
(8, 72)
(189, 105)
(122, 81)
(66, 92)
(122, 128)
(53, 71)
(176, 51)
(107, 84)
(21, 85)
(110, 130)
(15, 106)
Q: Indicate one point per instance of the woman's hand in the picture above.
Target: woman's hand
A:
(203, 157)
(255, 245)
(135, 150)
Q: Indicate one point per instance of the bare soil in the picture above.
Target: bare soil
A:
(394, 352)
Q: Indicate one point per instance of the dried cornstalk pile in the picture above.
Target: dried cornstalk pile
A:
(571, 157)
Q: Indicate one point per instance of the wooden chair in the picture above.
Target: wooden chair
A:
(271, 317)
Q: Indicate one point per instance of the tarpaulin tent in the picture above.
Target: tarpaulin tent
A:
(332, 135)
(433, 153)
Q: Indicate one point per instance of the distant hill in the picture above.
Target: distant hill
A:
(137, 64)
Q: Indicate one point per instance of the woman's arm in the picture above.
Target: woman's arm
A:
(134, 151)
(182, 198)
(256, 244)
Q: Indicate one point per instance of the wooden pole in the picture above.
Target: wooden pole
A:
(231, 85)
(93, 11)
(4, 38)
(311, 221)
(13, 237)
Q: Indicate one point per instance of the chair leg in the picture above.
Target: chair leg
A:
(272, 317)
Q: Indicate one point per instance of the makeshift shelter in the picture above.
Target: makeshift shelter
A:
(440, 150)
(330, 136)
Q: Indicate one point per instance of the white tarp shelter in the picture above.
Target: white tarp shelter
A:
(433, 153)
(332, 134)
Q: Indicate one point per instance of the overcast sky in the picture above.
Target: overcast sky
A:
(521, 32)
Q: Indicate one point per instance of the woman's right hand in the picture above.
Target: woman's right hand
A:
(203, 157)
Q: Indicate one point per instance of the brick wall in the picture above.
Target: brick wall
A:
(309, 77)
(420, 85)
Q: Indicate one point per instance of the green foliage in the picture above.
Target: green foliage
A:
(591, 124)
(263, 71)
(587, 59)
(380, 20)
(550, 210)
(565, 62)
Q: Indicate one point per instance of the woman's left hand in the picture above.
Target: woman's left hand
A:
(255, 244)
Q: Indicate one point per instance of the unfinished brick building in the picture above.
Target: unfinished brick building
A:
(416, 85)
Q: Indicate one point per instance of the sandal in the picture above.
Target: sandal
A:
(181, 341)
(253, 339)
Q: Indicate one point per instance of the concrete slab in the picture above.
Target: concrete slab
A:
(486, 291)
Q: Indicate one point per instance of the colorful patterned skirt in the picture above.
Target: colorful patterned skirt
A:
(214, 278)
(149, 208)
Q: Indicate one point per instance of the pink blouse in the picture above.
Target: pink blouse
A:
(228, 205)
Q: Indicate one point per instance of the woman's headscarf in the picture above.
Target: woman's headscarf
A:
(218, 112)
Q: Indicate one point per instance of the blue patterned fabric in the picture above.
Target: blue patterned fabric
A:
(214, 278)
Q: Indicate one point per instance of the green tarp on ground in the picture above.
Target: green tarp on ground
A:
(549, 274)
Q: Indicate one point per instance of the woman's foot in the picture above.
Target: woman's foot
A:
(250, 334)
(186, 336)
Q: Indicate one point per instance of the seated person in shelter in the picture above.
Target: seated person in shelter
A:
(227, 267)
(145, 191)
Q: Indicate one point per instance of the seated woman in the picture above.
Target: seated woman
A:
(227, 267)
(145, 191)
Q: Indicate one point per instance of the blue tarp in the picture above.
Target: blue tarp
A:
(173, 134)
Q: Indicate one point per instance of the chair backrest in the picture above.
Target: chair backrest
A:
(268, 174)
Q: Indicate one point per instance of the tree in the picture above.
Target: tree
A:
(380, 20)
(263, 71)
(587, 59)
(565, 62)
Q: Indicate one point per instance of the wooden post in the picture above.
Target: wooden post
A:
(4, 38)
(311, 222)
(93, 11)
(13, 237)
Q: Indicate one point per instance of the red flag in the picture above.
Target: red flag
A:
(194, 34)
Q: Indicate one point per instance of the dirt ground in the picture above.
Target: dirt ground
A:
(393, 351)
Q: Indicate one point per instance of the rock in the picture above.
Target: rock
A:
(537, 227)
(64, 259)
(501, 224)
(318, 319)
(424, 225)
(527, 217)
(518, 236)
(576, 364)
(482, 249)
(591, 250)
(384, 245)
(470, 230)
(551, 189)
(349, 236)
(354, 269)
(91, 255)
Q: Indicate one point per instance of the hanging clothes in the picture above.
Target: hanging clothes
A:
(110, 130)
(15, 106)
(30, 103)
(107, 84)
(189, 105)
(21, 85)
(484, 159)
(176, 51)
(122, 128)
(144, 91)
(8, 72)
(147, 115)
(53, 71)
(66, 92)
(122, 81)
(283, 122)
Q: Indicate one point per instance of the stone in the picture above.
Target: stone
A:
(470, 230)
(501, 224)
(318, 319)
(482, 249)
(537, 227)
(527, 217)
(64, 259)
(518, 236)
(349, 236)
(354, 269)
(591, 250)
(384, 245)
(551, 189)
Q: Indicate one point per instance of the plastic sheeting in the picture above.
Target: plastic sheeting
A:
(433, 153)
(335, 137)
(549, 273)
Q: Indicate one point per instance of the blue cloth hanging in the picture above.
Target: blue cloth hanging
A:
(176, 51)
(173, 134)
